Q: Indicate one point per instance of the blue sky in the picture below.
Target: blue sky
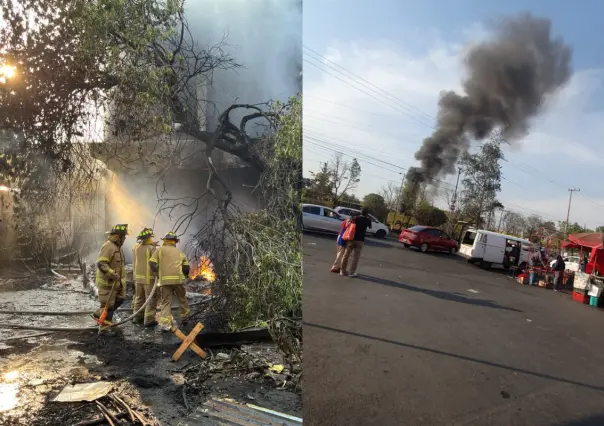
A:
(414, 49)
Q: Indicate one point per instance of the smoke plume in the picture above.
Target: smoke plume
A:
(265, 36)
(509, 77)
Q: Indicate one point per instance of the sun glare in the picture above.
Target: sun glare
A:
(7, 71)
(9, 391)
(11, 375)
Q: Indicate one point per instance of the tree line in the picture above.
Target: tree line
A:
(474, 202)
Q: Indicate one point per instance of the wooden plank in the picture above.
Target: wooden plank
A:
(193, 345)
(187, 341)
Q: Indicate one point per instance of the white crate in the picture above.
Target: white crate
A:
(581, 281)
(594, 291)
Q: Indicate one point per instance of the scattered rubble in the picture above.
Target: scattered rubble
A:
(137, 363)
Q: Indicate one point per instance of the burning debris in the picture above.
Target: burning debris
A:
(509, 79)
(203, 270)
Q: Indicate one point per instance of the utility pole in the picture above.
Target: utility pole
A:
(453, 201)
(571, 190)
(500, 217)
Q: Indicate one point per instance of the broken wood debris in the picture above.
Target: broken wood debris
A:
(187, 342)
(98, 420)
(120, 417)
(108, 414)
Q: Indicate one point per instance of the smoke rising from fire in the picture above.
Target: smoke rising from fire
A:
(264, 36)
(509, 78)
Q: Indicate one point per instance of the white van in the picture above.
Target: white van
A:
(491, 248)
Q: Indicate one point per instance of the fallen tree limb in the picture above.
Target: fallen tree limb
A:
(63, 277)
(119, 401)
(98, 420)
(110, 416)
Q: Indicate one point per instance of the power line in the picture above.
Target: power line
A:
(348, 144)
(395, 99)
(367, 93)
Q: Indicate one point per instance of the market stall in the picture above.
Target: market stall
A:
(538, 271)
(589, 283)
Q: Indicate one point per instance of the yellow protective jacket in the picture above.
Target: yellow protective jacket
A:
(141, 271)
(170, 264)
(110, 261)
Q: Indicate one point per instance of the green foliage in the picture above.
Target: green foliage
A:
(600, 228)
(288, 140)
(573, 228)
(376, 205)
(481, 178)
(425, 214)
(262, 277)
(317, 189)
(265, 275)
(334, 180)
(409, 195)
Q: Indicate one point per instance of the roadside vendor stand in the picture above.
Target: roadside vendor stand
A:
(545, 275)
(588, 285)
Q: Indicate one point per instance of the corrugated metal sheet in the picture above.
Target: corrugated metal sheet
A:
(219, 412)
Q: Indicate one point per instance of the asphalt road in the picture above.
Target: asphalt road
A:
(428, 339)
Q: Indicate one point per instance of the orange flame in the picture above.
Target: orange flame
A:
(204, 270)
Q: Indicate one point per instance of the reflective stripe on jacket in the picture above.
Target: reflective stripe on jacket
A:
(170, 261)
(141, 254)
(111, 259)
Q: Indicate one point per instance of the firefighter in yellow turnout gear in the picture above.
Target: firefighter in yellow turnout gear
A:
(172, 268)
(111, 276)
(144, 278)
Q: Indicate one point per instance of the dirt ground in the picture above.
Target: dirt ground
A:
(137, 362)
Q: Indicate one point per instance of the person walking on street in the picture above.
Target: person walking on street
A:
(341, 246)
(354, 247)
(559, 268)
(111, 277)
(144, 279)
(171, 267)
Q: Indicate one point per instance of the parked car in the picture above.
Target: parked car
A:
(572, 263)
(428, 238)
(321, 218)
(378, 229)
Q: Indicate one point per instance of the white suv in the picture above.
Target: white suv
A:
(378, 229)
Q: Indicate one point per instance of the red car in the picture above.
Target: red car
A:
(428, 238)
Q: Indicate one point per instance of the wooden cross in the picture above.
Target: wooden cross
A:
(187, 342)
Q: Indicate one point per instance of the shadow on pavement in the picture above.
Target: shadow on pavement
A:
(597, 420)
(376, 243)
(451, 297)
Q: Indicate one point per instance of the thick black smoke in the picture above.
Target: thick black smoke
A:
(509, 78)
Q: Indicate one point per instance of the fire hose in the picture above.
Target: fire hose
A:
(28, 327)
(74, 313)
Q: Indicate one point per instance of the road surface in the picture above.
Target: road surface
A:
(428, 339)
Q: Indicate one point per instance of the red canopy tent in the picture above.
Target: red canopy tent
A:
(569, 245)
(594, 241)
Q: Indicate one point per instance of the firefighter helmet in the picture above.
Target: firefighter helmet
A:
(171, 236)
(144, 234)
(121, 229)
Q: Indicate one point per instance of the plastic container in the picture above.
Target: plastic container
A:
(593, 301)
(580, 297)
